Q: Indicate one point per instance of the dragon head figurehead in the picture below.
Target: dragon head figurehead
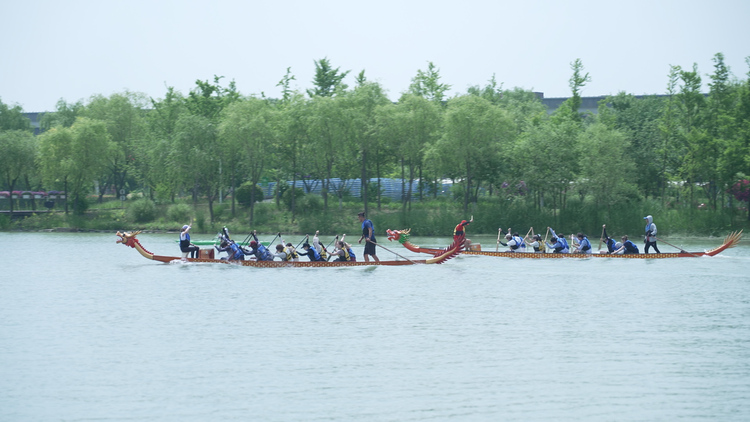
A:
(400, 235)
(128, 238)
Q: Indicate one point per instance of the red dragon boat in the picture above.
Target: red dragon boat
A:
(402, 236)
(207, 256)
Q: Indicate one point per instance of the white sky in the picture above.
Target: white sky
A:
(78, 48)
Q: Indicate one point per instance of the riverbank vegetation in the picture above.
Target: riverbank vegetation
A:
(681, 157)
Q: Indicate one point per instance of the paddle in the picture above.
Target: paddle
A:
(378, 244)
(274, 239)
(601, 237)
(307, 236)
(531, 230)
(681, 250)
(497, 246)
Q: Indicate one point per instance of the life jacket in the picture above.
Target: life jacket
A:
(262, 253)
(630, 247)
(290, 254)
(185, 243)
(352, 257)
(237, 254)
(519, 243)
(315, 255)
(611, 245)
(323, 255)
(346, 257)
(540, 247)
(563, 242)
(585, 244)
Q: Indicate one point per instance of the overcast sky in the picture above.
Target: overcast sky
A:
(72, 50)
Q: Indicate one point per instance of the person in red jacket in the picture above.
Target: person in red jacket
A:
(461, 231)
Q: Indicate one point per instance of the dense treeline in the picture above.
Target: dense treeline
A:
(681, 151)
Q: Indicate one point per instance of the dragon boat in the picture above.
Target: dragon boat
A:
(402, 236)
(207, 256)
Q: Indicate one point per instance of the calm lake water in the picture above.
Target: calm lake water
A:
(90, 330)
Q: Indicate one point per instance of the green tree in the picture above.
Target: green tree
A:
(65, 115)
(12, 118)
(427, 84)
(250, 128)
(122, 113)
(153, 151)
(195, 157)
(363, 102)
(419, 121)
(328, 128)
(492, 92)
(327, 80)
(606, 167)
(638, 120)
(477, 134)
(17, 159)
(569, 108)
(75, 156)
(697, 160)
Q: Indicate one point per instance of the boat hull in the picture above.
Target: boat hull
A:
(285, 264)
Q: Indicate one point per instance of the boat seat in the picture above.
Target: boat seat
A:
(185, 255)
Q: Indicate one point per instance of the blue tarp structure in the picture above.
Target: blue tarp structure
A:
(391, 188)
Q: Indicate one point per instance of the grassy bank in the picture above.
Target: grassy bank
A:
(430, 218)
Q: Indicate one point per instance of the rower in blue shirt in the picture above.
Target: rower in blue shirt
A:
(560, 245)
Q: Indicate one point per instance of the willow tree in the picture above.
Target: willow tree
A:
(195, 157)
(363, 102)
(419, 120)
(250, 126)
(606, 166)
(17, 159)
(475, 134)
(74, 157)
(329, 129)
(122, 113)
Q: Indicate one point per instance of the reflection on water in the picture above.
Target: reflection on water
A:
(91, 330)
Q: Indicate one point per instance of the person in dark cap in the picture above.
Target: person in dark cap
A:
(261, 252)
(310, 252)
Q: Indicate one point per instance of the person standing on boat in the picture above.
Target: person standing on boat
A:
(460, 231)
(185, 244)
(560, 245)
(584, 246)
(650, 234)
(627, 248)
(368, 234)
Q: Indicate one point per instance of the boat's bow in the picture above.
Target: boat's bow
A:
(129, 239)
(438, 255)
